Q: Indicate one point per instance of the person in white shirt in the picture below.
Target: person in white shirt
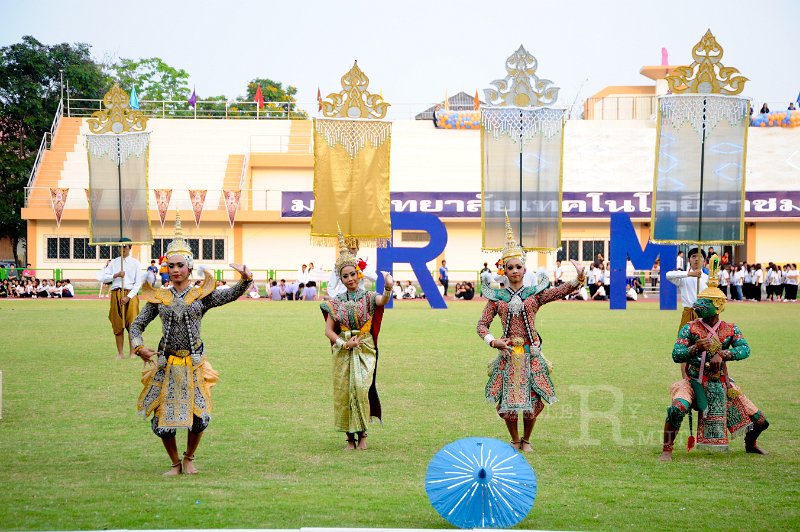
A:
(591, 280)
(679, 261)
(630, 293)
(67, 290)
(125, 284)
(687, 281)
(758, 281)
(558, 273)
(792, 278)
(410, 292)
(600, 293)
(335, 286)
(724, 280)
(397, 291)
(736, 283)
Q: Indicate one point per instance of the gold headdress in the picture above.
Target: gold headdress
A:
(179, 246)
(512, 250)
(345, 258)
(713, 293)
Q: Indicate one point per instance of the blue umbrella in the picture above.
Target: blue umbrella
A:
(480, 483)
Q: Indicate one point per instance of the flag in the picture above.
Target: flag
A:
(134, 100)
(664, 57)
(259, 99)
(198, 198)
(446, 102)
(319, 100)
(798, 98)
(476, 102)
(58, 199)
(192, 100)
(163, 196)
(232, 198)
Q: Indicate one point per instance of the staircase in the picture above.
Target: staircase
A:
(49, 173)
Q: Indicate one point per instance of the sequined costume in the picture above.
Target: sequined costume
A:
(177, 389)
(519, 378)
(355, 394)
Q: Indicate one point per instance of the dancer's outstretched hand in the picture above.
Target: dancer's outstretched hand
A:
(242, 269)
(388, 281)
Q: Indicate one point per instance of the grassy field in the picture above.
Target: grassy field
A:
(74, 455)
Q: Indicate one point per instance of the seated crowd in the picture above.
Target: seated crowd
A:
(36, 288)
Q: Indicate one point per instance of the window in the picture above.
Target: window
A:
(82, 250)
(415, 236)
(202, 248)
(591, 248)
(63, 248)
(52, 248)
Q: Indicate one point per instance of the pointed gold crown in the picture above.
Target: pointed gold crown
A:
(711, 292)
(179, 246)
(354, 100)
(117, 117)
(345, 258)
(706, 75)
(512, 250)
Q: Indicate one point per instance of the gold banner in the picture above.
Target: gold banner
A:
(198, 198)
(351, 181)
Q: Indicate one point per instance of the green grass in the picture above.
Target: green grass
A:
(74, 455)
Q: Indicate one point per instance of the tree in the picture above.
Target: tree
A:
(154, 80)
(273, 91)
(29, 96)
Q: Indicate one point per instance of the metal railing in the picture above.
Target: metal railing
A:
(47, 142)
(204, 109)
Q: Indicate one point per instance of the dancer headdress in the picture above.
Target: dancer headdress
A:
(512, 250)
(713, 293)
(179, 246)
(345, 257)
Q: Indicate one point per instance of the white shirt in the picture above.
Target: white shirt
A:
(631, 294)
(411, 291)
(335, 286)
(557, 274)
(133, 275)
(738, 277)
(679, 263)
(758, 278)
(688, 285)
(724, 277)
(397, 291)
(791, 277)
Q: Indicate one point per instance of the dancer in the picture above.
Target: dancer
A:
(352, 324)
(177, 386)
(519, 378)
(707, 344)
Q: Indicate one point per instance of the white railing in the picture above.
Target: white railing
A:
(202, 109)
(47, 142)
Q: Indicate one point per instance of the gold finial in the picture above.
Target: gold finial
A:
(526, 89)
(354, 100)
(712, 291)
(512, 250)
(117, 117)
(706, 75)
(345, 258)
(179, 246)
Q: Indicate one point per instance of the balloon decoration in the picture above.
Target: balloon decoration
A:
(459, 119)
(776, 119)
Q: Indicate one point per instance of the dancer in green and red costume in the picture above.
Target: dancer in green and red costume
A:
(707, 344)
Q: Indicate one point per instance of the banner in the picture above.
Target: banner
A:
(232, 198)
(781, 204)
(58, 198)
(198, 198)
(118, 203)
(163, 196)
(700, 153)
(351, 180)
(521, 176)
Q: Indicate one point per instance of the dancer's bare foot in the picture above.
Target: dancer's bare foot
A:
(514, 444)
(525, 446)
(666, 456)
(351, 445)
(188, 465)
(362, 443)
(174, 471)
(120, 356)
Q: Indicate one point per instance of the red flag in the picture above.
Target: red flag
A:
(476, 102)
(319, 100)
(259, 97)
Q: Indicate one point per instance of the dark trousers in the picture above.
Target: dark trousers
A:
(445, 284)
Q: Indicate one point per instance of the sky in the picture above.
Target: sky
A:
(414, 51)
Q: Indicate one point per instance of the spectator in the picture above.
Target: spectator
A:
(724, 279)
(300, 289)
(152, 273)
(630, 293)
(397, 291)
(291, 291)
(764, 109)
(282, 287)
(792, 278)
(758, 281)
(275, 291)
(410, 291)
(4, 289)
(736, 283)
(724, 259)
(222, 285)
(444, 279)
(28, 272)
(310, 291)
(791, 107)
(679, 262)
(302, 274)
(469, 291)
(67, 290)
(558, 274)
(591, 279)
(600, 292)
(654, 274)
(607, 278)
(485, 269)
(254, 293)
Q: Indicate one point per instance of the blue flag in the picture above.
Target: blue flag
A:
(134, 100)
(798, 98)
